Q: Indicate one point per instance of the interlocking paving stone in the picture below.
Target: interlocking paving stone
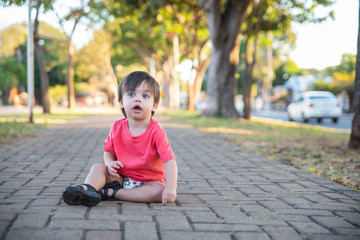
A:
(103, 234)
(279, 233)
(140, 230)
(44, 234)
(181, 235)
(28, 220)
(224, 191)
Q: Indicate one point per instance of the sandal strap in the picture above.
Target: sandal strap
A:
(114, 193)
(115, 186)
(90, 188)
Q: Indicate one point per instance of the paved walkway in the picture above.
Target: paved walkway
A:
(224, 192)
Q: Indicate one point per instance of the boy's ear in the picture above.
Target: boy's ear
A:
(121, 104)
(155, 107)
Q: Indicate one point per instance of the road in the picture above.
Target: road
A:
(344, 122)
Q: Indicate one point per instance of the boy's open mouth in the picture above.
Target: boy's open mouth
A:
(137, 108)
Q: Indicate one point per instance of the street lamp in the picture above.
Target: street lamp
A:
(30, 64)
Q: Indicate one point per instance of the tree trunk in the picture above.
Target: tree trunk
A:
(112, 82)
(250, 59)
(194, 89)
(5, 97)
(267, 84)
(175, 96)
(247, 91)
(167, 68)
(171, 91)
(44, 78)
(355, 131)
(224, 27)
(70, 74)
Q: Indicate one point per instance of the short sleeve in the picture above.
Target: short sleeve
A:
(109, 144)
(163, 147)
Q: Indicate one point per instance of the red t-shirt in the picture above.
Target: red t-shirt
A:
(143, 156)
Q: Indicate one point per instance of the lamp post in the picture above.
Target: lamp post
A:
(30, 64)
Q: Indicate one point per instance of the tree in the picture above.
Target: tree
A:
(355, 130)
(94, 63)
(74, 15)
(187, 19)
(224, 33)
(284, 72)
(276, 15)
(11, 38)
(12, 75)
(130, 47)
(194, 88)
(343, 78)
(159, 24)
(224, 22)
(136, 48)
(12, 60)
(253, 28)
(44, 78)
(13, 56)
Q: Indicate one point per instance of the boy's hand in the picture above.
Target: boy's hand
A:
(168, 195)
(112, 168)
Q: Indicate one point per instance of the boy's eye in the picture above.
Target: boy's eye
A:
(131, 94)
(146, 96)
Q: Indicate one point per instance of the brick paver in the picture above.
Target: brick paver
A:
(224, 192)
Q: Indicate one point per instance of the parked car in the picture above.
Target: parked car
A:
(314, 105)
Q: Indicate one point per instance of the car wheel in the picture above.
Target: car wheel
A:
(289, 117)
(304, 118)
(335, 120)
(319, 120)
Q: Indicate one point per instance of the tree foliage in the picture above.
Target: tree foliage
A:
(13, 57)
(11, 38)
(156, 24)
(342, 76)
(276, 15)
(94, 64)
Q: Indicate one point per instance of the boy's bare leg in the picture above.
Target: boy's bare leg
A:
(98, 176)
(149, 192)
(94, 181)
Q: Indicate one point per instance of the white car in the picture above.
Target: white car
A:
(316, 105)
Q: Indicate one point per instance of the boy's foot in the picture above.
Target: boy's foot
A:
(108, 192)
(78, 195)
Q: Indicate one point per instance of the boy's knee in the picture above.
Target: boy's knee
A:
(98, 167)
(159, 186)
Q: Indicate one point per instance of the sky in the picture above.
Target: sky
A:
(322, 45)
(317, 45)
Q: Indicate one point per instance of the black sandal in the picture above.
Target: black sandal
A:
(77, 195)
(104, 192)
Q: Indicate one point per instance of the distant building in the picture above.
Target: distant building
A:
(299, 84)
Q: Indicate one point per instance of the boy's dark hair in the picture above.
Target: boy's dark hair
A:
(135, 79)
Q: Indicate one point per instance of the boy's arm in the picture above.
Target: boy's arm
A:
(169, 193)
(109, 157)
(111, 164)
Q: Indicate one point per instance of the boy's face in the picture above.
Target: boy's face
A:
(139, 104)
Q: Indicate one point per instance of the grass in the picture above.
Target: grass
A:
(317, 150)
(18, 126)
(15, 129)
